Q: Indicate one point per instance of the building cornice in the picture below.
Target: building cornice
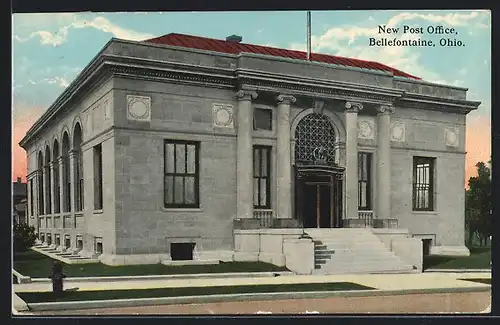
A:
(104, 66)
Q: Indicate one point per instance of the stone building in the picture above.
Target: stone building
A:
(183, 147)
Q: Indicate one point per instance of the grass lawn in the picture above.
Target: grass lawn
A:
(33, 297)
(37, 265)
(484, 281)
(479, 258)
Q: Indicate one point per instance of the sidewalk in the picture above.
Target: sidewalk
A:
(419, 281)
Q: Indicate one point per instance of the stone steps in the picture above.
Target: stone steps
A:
(339, 251)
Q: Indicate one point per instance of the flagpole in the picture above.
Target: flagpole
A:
(308, 36)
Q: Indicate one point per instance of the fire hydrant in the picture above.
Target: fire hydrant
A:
(57, 277)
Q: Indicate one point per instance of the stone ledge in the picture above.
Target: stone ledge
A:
(190, 262)
(170, 277)
(21, 279)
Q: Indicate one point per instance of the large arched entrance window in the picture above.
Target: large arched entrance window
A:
(318, 179)
(315, 140)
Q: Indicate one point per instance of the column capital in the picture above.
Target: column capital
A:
(60, 159)
(246, 95)
(285, 99)
(385, 109)
(353, 107)
(73, 153)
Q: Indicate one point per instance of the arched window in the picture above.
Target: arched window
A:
(40, 184)
(66, 175)
(78, 167)
(47, 189)
(56, 185)
(315, 140)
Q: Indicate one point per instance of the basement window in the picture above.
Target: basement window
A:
(49, 239)
(98, 245)
(79, 242)
(58, 240)
(67, 241)
(42, 238)
(182, 251)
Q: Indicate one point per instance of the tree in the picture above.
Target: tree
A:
(24, 236)
(478, 204)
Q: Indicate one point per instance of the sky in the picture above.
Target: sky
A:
(49, 50)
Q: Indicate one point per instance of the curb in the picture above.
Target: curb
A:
(18, 304)
(119, 303)
(457, 271)
(21, 278)
(168, 277)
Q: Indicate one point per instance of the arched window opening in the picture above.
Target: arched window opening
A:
(78, 167)
(47, 189)
(66, 173)
(56, 171)
(40, 184)
(315, 140)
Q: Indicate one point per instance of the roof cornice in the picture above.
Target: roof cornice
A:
(219, 77)
(68, 93)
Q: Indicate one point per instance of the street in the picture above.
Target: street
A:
(469, 302)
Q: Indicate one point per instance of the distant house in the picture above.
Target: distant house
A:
(20, 200)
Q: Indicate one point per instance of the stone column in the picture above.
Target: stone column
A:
(283, 158)
(52, 182)
(244, 163)
(60, 160)
(384, 162)
(43, 173)
(351, 148)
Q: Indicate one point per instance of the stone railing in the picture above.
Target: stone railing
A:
(367, 216)
(366, 219)
(265, 217)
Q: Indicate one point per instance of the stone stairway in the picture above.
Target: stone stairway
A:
(353, 250)
(66, 257)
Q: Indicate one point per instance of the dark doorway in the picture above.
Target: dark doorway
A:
(181, 251)
(318, 199)
(427, 243)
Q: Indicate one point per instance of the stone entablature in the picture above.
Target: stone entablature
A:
(172, 69)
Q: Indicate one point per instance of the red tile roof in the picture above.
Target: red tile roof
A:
(210, 44)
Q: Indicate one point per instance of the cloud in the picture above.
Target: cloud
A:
(100, 23)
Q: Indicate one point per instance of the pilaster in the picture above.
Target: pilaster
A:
(383, 207)
(283, 153)
(351, 173)
(244, 163)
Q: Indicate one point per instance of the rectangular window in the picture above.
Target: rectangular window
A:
(423, 183)
(262, 177)
(79, 183)
(181, 174)
(67, 179)
(364, 181)
(40, 192)
(98, 195)
(48, 190)
(262, 119)
(57, 188)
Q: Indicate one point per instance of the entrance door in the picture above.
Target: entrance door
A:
(318, 205)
